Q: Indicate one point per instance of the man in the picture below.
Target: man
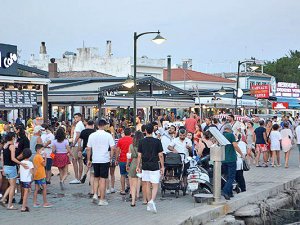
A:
(150, 151)
(122, 150)
(155, 130)
(256, 122)
(19, 120)
(83, 140)
(190, 123)
(166, 136)
(47, 138)
(209, 124)
(229, 164)
(182, 145)
(261, 143)
(76, 149)
(99, 142)
(234, 124)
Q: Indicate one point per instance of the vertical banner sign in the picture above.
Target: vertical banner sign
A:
(8, 60)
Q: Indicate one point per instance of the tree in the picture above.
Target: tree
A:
(285, 69)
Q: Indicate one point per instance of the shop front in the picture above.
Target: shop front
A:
(19, 86)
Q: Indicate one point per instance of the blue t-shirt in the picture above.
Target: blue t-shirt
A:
(259, 132)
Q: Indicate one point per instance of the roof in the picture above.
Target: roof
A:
(180, 74)
(81, 74)
(243, 74)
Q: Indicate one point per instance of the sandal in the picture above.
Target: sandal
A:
(2, 203)
(48, 205)
(12, 208)
(122, 193)
(132, 205)
(145, 203)
(36, 205)
(25, 210)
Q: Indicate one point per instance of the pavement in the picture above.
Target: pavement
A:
(73, 206)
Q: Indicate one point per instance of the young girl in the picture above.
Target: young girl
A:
(39, 163)
(275, 139)
(26, 178)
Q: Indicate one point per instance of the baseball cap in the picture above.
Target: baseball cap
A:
(37, 129)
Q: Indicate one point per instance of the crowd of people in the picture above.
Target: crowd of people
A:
(97, 148)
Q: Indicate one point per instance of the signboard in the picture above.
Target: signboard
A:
(8, 60)
(260, 91)
(17, 99)
(284, 89)
(280, 105)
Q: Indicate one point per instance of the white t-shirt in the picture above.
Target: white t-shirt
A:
(45, 138)
(25, 174)
(275, 138)
(181, 146)
(298, 134)
(78, 128)
(239, 162)
(100, 141)
(165, 139)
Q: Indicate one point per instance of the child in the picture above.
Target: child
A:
(275, 138)
(39, 162)
(26, 177)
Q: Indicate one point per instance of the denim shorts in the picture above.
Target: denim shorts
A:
(48, 164)
(41, 181)
(26, 184)
(122, 166)
(10, 172)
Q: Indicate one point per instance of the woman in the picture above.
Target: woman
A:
(61, 149)
(269, 126)
(205, 144)
(287, 137)
(250, 138)
(10, 169)
(275, 139)
(197, 134)
(131, 167)
(35, 139)
(190, 136)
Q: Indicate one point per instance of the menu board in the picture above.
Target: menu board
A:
(17, 99)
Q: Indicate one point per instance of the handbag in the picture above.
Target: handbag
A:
(246, 165)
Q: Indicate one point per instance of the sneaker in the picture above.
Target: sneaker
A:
(108, 191)
(103, 203)
(75, 182)
(150, 206)
(154, 208)
(112, 190)
(95, 199)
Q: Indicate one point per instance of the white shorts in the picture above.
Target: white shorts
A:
(151, 176)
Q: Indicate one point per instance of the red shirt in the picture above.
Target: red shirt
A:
(124, 144)
(190, 125)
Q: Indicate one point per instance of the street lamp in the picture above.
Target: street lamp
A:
(129, 83)
(253, 67)
(158, 40)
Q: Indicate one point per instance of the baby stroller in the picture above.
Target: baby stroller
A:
(172, 179)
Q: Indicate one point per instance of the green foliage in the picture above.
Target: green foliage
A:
(286, 68)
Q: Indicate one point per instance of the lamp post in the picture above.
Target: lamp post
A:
(253, 68)
(158, 40)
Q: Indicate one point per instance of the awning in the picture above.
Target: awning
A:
(32, 80)
(227, 102)
(294, 103)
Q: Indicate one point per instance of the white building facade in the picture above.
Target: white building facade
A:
(86, 59)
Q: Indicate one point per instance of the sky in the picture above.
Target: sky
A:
(215, 34)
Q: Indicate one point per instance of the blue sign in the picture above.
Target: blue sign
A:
(8, 60)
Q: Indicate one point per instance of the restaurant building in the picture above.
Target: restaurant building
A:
(19, 87)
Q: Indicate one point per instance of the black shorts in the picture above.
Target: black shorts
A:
(101, 170)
